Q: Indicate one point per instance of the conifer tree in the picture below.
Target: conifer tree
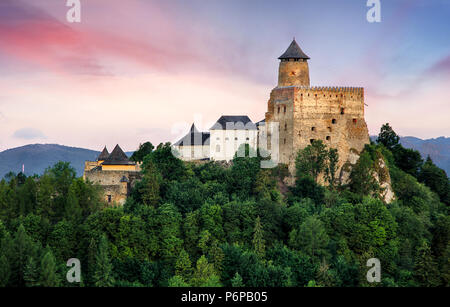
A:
(258, 238)
(103, 276)
(31, 273)
(49, 275)
(237, 281)
(183, 266)
(5, 271)
(425, 270)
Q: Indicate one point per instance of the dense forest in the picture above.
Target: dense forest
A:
(207, 224)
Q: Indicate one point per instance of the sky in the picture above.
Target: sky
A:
(144, 70)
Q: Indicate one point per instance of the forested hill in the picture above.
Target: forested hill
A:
(38, 157)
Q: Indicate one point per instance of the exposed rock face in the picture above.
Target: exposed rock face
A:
(380, 172)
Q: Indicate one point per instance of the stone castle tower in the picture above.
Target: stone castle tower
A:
(334, 115)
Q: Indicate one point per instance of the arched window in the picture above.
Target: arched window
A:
(217, 148)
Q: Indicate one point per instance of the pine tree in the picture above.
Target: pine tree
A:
(31, 273)
(258, 238)
(49, 275)
(91, 261)
(204, 274)
(237, 281)
(24, 247)
(425, 270)
(103, 276)
(183, 266)
(5, 271)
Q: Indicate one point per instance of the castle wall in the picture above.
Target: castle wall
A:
(333, 115)
(189, 153)
(225, 143)
(114, 191)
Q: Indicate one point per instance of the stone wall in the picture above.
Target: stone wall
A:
(114, 191)
(334, 115)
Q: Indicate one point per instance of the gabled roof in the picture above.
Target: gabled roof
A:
(117, 157)
(103, 155)
(233, 122)
(294, 52)
(194, 138)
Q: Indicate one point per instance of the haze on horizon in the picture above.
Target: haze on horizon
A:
(144, 70)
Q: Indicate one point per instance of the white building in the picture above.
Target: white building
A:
(223, 140)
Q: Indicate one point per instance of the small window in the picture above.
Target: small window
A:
(311, 141)
(278, 109)
(284, 109)
(247, 139)
(333, 121)
(355, 121)
(342, 111)
(285, 126)
(284, 141)
(235, 139)
(109, 198)
(218, 139)
(328, 138)
(329, 129)
(227, 139)
(217, 148)
(313, 128)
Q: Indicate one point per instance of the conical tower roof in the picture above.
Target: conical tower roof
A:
(117, 157)
(294, 52)
(103, 155)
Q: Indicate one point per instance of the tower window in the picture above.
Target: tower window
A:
(313, 128)
(284, 109)
(285, 126)
(284, 141)
(329, 129)
(355, 121)
(328, 138)
(235, 139)
(247, 139)
(109, 198)
(342, 111)
(278, 109)
(217, 148)
(333, 121)
(311, 141)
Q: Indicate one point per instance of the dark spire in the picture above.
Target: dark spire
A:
(117, 157)
(103, 155)
(294, 52)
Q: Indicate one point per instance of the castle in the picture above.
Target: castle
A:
(303, 114)
(115, 173)
(300, 112)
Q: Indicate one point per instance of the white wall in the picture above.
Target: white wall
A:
(226, 142)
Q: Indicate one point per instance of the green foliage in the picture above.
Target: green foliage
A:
(311, 161)
(258, 239)
(436, 179)
(143, 150)
(49, 276)
(103, 276)
(209, 224)
(388, 137)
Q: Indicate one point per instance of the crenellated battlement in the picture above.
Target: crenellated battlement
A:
(343, 89)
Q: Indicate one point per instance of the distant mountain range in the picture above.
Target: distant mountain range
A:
(438, 149)
(36, 158)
